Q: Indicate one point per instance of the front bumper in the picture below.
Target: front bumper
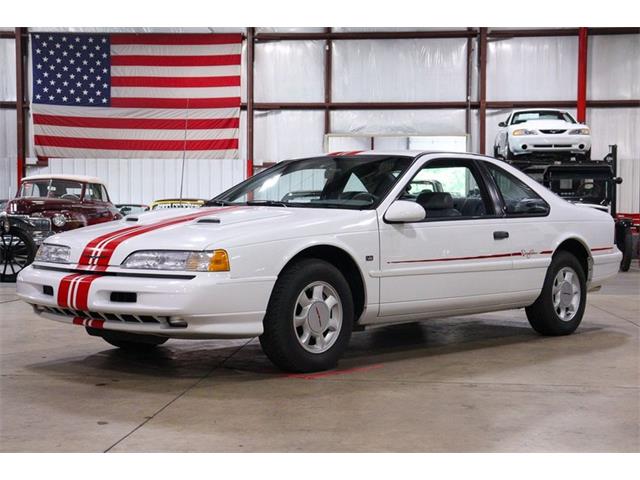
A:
(548, 143)
(213, 305)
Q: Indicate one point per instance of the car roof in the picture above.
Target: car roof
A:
(57, 176)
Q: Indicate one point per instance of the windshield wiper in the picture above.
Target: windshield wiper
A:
(267, 203)
(217, 203)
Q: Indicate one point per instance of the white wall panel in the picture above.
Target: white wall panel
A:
(395, 29)
(613, 67)
(281, 135)
(289, 71)
(399, 70)
(619, 126)
(415, 122)
(7, 69)
(142, 181)
(532, 68)
(8, 139)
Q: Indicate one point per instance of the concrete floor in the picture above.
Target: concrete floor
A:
(477, 383)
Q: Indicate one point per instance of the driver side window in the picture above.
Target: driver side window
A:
(448, 189)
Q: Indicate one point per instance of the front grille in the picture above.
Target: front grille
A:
(553, 132)
(556, 145)
(108, 317)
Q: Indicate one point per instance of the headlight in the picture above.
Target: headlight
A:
(523, 131)
(59, 220)
(212, 261)
(53, 254)
(580, 131)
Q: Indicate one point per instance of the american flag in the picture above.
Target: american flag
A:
(136, 95)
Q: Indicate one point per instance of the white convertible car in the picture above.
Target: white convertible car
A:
(309, 250)
(541, 132)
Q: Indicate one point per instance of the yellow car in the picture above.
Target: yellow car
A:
(177, 203)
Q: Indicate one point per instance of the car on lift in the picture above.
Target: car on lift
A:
(591, 183)
(541, 131)
(302, 274)
(46, 205)
(176, 203)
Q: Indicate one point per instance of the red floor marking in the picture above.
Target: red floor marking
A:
(311, 376)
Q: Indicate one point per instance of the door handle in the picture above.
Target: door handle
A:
(500, 235)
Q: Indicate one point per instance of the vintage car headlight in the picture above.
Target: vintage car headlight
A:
(580, 131)
(53, 254)
(523, 131)
(211, 261)
(59, 220)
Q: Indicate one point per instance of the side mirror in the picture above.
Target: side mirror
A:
(403, 211)
(502, 124)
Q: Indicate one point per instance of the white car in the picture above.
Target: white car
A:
(363, 247)
(538, 131)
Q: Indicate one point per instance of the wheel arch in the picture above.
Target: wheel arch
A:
(578, 248)
(343, 261)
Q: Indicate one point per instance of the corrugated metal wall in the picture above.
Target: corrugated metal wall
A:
(542, 68)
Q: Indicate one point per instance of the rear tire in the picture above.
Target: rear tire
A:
(560, 306)
(130, 342)
(309, 319)
(627, 250)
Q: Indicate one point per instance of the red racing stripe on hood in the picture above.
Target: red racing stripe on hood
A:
(104, 247)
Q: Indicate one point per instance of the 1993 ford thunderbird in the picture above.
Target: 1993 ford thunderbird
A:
(308, 250)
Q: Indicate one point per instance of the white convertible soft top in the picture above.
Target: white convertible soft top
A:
(60, 176)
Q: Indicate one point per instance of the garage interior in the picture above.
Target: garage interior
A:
(481, 383)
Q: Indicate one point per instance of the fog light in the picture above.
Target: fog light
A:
(524, 147)
(581, 146)
(177, 322)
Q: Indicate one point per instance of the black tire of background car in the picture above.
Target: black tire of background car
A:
(131, 342)
(510, 155)
(586, 156)
(626, 245)
(15, 246)
(541, 314)
(279, 340)
(496, 151)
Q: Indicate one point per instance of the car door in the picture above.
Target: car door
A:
(95, 206)
(458, 259)
(530, 232)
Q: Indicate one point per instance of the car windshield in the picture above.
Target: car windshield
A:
(532, 115)
(51, 188)
(356, 182)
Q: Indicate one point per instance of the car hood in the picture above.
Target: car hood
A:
(205, 229)
(547, 125)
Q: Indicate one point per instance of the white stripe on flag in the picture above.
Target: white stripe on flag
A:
(134, 113)
(212, 71)
(134, 134)
(153, 92)
(170, 50)
(61, 152)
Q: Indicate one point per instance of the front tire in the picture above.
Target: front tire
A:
(560, 306)
(17, 250)
(309, 319)
(130, 342)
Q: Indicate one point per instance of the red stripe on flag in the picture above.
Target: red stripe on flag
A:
(176, 82)
(137, 123)
(173, 39)
(223, 102)
(147, 145)
(174, 60)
